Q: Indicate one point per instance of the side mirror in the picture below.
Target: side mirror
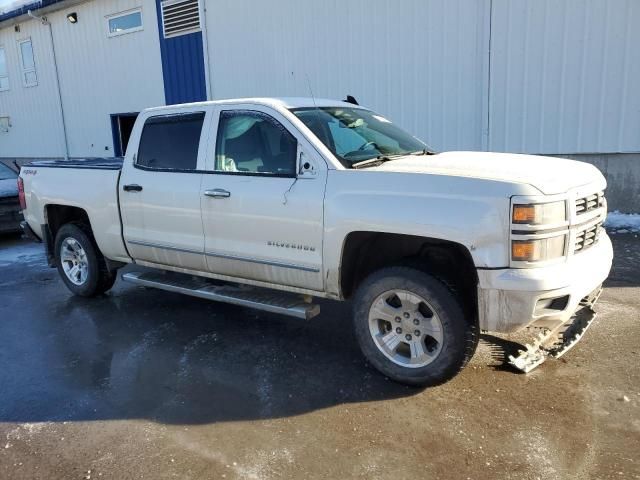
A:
(306, 166)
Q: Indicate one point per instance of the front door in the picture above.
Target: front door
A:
(261, 221)
(160, 191)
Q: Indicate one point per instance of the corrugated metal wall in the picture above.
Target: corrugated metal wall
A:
(99, 75)
(560, 77)
(421, 63)
(36, 129)
(565, 76)
(183, 69)
(182, 65)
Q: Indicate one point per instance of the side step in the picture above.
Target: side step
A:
(244, 296)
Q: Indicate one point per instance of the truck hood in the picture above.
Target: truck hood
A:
(550, 175)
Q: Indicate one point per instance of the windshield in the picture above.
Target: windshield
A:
(354, 134)
(6, 173)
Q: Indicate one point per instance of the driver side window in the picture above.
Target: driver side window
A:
(251, 142)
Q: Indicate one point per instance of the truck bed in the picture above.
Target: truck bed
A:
(89, 184)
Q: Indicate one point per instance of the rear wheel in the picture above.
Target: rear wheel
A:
(411, 326)
(80, 264)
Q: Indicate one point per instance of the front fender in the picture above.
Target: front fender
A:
(468, 211)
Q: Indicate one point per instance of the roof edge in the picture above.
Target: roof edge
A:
(41, 7)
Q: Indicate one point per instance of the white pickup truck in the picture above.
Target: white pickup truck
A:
(268, 203)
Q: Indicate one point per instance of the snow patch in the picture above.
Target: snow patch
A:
(623, 222)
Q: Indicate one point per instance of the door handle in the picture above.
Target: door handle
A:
(217, 193)
(132, 188)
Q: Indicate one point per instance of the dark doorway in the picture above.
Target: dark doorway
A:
(121, 126)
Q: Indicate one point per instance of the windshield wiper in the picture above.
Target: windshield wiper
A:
(371, 162)
(424, 151)
(380, 159)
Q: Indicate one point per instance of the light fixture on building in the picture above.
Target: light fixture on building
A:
(16, 28)
(72, 17)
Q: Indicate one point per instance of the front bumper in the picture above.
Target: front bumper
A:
(512, 299)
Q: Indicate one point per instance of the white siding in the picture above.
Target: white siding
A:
(99, 75)
(36, 130)
(560, 77)
(565, 76)
(420, 63)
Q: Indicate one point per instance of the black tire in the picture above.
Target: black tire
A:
(459, 334)
(99, 279)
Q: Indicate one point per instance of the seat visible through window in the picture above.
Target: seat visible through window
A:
(253, 142)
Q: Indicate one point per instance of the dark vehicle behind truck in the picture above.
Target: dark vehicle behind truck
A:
(10, 211)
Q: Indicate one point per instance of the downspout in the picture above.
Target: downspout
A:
(44, 21)
(205, 49)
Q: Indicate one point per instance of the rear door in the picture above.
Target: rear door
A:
(160, 188)
(263, 220)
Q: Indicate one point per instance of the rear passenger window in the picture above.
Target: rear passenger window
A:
(170, 142)
(254, 142)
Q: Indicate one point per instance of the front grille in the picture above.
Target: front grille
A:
(589, 203)
(587, 238)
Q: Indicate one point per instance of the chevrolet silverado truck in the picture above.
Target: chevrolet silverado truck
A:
(273, 203)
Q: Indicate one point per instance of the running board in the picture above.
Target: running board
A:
(245, 296)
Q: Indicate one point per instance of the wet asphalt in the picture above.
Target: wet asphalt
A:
(141, 383)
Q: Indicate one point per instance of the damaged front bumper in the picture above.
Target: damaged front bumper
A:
(556, 301)
(557, 342)
(511, 299)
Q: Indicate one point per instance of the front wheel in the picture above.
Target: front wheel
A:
(411, 327)
(80, 264)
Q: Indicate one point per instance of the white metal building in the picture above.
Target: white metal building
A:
(533, 76)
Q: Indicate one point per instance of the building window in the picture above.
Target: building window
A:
(4, 72)
(171, 142)
(126, 22)
(4, 124)
(29, 76)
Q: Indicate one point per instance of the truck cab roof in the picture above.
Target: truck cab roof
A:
(274, 102)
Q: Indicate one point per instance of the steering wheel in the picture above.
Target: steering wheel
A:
(365, 145)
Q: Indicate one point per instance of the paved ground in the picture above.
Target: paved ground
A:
(146, 384)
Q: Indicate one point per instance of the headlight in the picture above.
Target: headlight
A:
(540, 213)
(537, 250)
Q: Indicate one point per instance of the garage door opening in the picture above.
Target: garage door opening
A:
(121, 126)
